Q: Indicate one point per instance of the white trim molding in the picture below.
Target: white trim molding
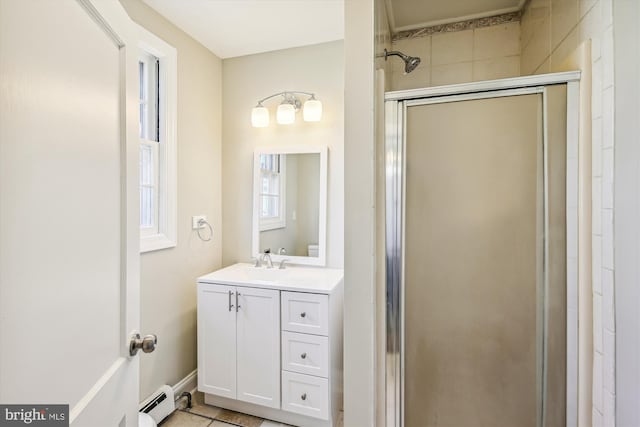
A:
(432, 23)
(188, 384)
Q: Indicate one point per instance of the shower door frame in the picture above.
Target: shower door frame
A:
(396, 104)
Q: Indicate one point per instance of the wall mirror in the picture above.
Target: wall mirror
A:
(290, 204)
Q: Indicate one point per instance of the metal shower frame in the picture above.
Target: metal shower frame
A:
(396, 104)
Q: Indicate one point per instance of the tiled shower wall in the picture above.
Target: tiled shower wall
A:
(551, 30)
(485, 53)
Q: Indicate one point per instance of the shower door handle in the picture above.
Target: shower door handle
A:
(146, 344)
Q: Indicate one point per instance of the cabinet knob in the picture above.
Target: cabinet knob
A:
(303, 355)
(303, 314)
(304, 396)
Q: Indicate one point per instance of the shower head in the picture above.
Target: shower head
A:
(410, 62)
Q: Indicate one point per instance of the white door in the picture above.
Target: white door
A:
(258, 346)
(69, 292)
(217, 339)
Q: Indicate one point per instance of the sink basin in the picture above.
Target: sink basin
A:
(293, 277)
(266, 274)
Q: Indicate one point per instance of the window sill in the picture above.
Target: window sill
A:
(272, 225)
(155, 243)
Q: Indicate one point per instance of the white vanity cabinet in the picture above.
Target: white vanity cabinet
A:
(270, 342)
(238, 334)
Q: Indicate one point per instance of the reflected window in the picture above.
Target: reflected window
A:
(272, 191)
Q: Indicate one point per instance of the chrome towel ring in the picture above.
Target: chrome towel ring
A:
(201, 223)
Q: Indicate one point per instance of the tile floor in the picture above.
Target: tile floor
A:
(203, 415)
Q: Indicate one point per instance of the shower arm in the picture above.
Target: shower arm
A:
(392, 53)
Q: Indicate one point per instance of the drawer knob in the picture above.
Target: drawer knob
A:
(303, 314)
(304, 396)
(303, 355)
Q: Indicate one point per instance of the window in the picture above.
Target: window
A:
(157, 126)
(149, 103)
(272, 191)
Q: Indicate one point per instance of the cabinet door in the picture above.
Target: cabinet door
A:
(258, 346)
(217, 340)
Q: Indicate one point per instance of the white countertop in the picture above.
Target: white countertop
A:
(293, 278)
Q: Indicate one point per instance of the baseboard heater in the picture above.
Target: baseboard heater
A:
(160, 405)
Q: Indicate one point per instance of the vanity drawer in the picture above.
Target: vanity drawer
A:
(306, 395)
(306, 354)
(306, 313)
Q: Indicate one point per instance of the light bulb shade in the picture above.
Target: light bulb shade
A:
(259, 117)
(312, 110)
(286, 114)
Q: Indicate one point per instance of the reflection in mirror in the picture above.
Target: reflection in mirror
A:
(290, 204)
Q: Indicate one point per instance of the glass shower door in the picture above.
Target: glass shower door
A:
(478, 262)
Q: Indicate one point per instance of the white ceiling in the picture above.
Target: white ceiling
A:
(232, 28)
(412, 14)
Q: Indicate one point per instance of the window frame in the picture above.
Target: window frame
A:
(166, 236)
(280, 221)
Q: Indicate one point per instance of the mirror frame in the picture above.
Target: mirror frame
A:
(322, 217)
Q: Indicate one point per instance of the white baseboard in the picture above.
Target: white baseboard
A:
(188, 383)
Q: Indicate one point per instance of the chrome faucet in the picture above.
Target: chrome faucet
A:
(282, 266)
(265, 258)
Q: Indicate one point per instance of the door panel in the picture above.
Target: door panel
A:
(217, 340)
(69, 248)
(258, 343)
(473, 262)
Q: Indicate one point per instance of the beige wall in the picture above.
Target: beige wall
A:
(318, 69)
(551, 31)
(308, 202)
(168, 290)
(457, 57)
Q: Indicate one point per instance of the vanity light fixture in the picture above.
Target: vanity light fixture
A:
(286, 113)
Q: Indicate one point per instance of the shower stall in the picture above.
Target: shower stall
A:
(481, 249)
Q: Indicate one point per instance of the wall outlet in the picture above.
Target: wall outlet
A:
(194, 221)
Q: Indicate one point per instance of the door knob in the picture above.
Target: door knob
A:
(303, 314)
(146, 344)
(303, 355)
(304, 396)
